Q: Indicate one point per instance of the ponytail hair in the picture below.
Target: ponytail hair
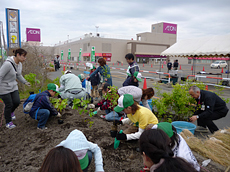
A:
(19, 51)
(156, 145)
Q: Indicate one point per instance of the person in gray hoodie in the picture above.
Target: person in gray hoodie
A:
(9, 72)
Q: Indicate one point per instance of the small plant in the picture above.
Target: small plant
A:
(59, 104)
(83, 104)
(105, 74)
(112, 96)
(51, 65)
(31, 78)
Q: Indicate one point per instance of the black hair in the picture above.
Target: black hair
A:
(155, 145)
(129, 56)
(174, 138)
(19, 51)
(105, 86)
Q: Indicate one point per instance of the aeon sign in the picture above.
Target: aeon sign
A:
(169, 28)
(33, 34)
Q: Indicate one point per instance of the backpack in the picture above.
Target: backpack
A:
(28, 104)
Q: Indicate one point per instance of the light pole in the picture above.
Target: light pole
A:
(67, 38)
(96, 29)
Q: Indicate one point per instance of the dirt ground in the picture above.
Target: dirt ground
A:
(24, 148)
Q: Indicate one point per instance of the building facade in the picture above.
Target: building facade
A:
(146, 48)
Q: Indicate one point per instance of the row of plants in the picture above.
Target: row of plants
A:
(177, 104)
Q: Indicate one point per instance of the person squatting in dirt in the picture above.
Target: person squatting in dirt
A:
(140, 117)
(71, 87)
(77, 142)
(139, 95)
(212, 107)
(177, 143)
(42, 108)
(61, 159)
(106, 105)
(95, 81)
(157, 154)
(9, 72)
(104, 71)
(132, 68)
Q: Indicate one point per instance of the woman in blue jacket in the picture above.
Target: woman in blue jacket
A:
(104, 70)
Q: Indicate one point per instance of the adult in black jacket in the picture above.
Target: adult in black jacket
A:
(169, 65)
(175, 64)
(212, 107)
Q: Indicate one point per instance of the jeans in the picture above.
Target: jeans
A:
(42, 117)
(111, 115)
(11, 101)
(90, 155)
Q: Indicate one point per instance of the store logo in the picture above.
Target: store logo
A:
(34, 32)
(169, 28)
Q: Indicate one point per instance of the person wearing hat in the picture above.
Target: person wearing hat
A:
(139, 95)
(42, 109)
(178, 144)
(77, 142)
(138, 115)
(71, 87)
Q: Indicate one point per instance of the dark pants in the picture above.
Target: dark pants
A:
(90, 155)
(208, 121)
(11, 101)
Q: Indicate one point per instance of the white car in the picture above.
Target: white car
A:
(219, 64)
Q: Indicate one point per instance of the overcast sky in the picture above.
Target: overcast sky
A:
(59, 18)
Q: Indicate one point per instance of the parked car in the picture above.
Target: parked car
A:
(219, 64)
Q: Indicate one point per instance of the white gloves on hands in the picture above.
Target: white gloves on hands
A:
(59, 115)
(91, 106)
(99, 109)
(28, 84)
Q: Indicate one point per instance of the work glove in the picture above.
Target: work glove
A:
(91, 106)
(99, 109)
(117, 122)
(28, 84)
(121, 136)
(59, 115)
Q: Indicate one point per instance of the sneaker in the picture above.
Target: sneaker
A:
(10, 125)
(201, 129)
(13, 117)
(42, 129)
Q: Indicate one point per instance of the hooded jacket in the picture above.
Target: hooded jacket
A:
(8, 76)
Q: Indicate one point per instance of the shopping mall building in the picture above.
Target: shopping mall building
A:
(146, 48)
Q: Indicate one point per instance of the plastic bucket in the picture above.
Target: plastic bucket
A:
(181, 125)
(149, 102)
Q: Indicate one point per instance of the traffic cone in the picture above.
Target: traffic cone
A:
(118, 64)
(121, 64)
(162, 66)
(145, 84)
(143, 65)
(180, 67)
(222, 71)
(151, 65)
(192, 68)
(113, 64)
(206, 87)
(203, 68)
(64, 68)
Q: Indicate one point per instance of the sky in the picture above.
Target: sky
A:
(60, 20)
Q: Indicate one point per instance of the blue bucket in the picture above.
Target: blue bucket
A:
(149, 102)
(86, 72)
(181, 125)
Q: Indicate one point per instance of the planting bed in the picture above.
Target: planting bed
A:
(24, 147)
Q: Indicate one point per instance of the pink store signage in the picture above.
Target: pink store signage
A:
(169, 28)
(33, 34)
